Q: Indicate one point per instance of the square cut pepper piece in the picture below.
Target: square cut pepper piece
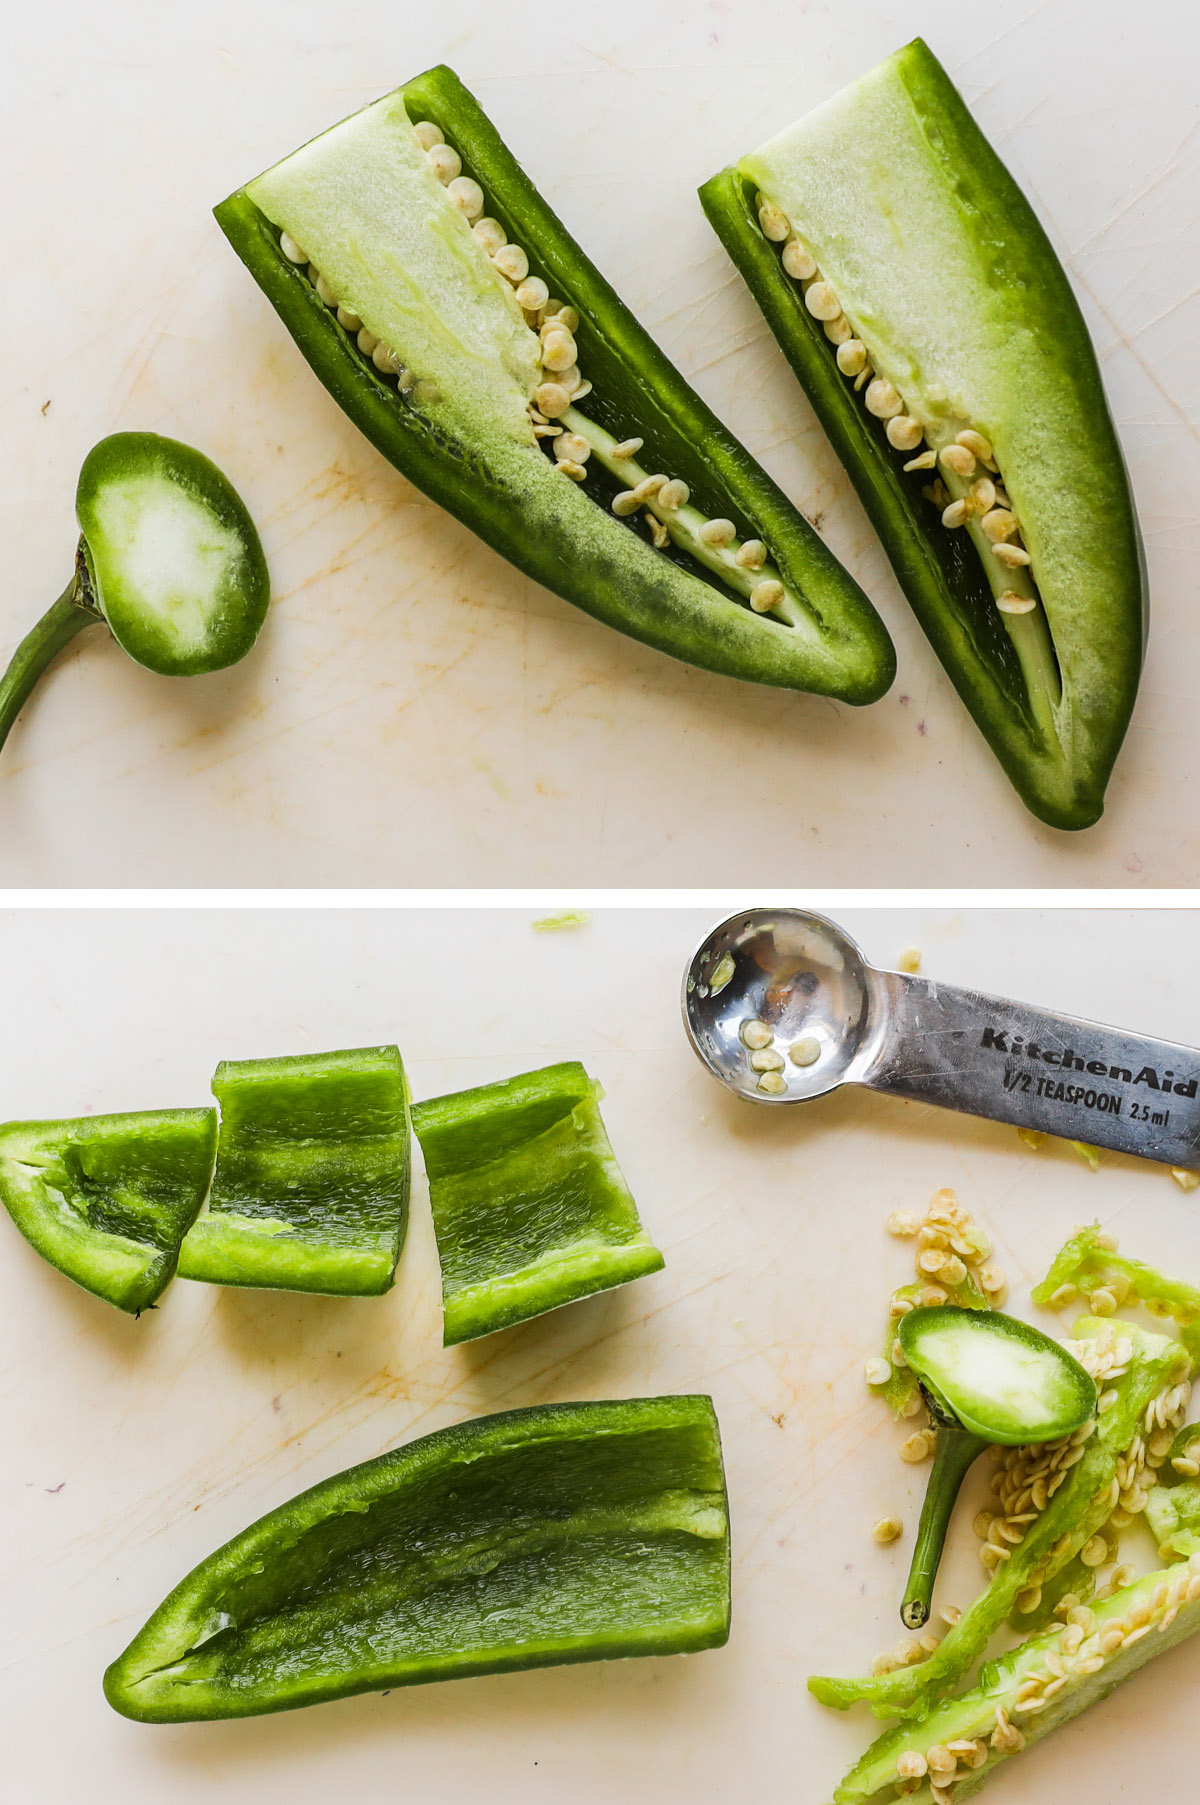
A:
(107, 1199)
(311, 1187)
(529, 1205)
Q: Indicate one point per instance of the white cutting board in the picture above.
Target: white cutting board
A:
(417, 713)
(133, 1449)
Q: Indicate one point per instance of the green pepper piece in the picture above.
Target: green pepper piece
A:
(1089, 1259)
(1010, 1694)
(987, 1378)
(962, 335)
(566, 1532)
(108, 1199)
(1173, 1515)
(311, 1187)
(419, 337)
(169, 560)
(529, 1205)
(1077, 1511)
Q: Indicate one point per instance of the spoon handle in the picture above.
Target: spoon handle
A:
(991, 1057)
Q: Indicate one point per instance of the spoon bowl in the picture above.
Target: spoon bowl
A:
(797, 974)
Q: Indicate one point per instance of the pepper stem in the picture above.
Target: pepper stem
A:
(57, 627)
(956, 1450)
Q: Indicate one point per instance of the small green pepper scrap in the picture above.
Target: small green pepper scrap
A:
(987, 1379)
(924, 311)
(108, 1199)
(565, 1532)
(529, 1205)
(1090, 1264)
(312, 1178)
(169, 559)
(453, 318)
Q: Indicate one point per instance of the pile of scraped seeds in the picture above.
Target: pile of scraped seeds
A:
(968, 489)
(1082, 1649)
(660, 499)
(953, 1262)
(1027, 1479)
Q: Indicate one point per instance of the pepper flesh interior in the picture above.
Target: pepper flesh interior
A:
(566, 1532)
(311, 1186)
(108, 1199)
(530, 1208)
(175, 561)
(392, 253)
(997, 1376)
(938, 270)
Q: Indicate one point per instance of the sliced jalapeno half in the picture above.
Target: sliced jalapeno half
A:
(462, 329)
(169, 559)
(923, 309)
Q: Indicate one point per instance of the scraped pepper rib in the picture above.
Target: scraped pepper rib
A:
(1028, 1692)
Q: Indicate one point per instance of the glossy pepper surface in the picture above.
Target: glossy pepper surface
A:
(457, 323)
(566, 1532)
(529, 1204)
(108, 1199)
(923, 309)
(312, 1178)
(168, 559)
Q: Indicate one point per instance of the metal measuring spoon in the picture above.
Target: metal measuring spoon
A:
(829, 1018)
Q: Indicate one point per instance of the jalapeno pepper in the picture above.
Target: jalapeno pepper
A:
(311, 1185)
(108, 1199)
(567, 1532)
(169, 560)
(924, 311)
(986, 1379)
(453, 318)
(1141, 1371)
(529, 1204)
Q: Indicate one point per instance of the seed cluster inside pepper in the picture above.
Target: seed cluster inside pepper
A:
(968, 488)
(572, 439)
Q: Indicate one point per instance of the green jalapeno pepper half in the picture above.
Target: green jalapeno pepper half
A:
(452, 317)
(311, 1185)
(108, 1199)
(566, 1532)
(529, 1205)
(169, 559)
(922, 307)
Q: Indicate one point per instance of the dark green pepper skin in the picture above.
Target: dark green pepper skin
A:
(529, 1205)
(567, 1532)
(622, 581)
(312, 1179)
(108, 1199)
(1100, 650)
